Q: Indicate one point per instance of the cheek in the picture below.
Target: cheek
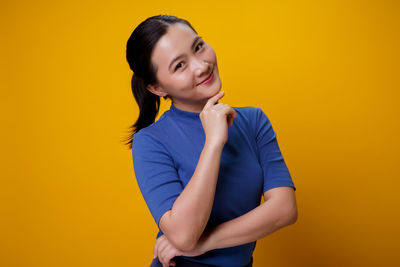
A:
(211, 56)
(181, 81)
(174, 82)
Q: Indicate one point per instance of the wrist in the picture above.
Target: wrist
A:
(213, 145)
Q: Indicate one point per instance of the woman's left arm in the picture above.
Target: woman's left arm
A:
(278, 210)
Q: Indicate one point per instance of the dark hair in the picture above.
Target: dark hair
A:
(139, 48)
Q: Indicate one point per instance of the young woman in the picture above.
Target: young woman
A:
(203, 166)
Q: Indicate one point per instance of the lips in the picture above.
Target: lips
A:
(208, 79)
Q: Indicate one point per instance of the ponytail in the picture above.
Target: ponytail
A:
(138, 54)
(149, 106)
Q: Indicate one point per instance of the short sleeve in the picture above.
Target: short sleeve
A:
(274, 167)
(155, 173)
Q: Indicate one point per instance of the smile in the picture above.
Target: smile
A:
(208, 79)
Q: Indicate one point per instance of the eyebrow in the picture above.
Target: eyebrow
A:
(178, 57)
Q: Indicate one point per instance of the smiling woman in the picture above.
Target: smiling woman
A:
(185, 63)
(203, 166)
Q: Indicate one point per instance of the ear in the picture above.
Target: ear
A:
(156, 89)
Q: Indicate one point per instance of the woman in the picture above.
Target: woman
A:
(203, 166)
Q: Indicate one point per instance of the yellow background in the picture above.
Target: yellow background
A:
(325, 72)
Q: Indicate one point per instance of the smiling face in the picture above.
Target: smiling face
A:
(187, 69)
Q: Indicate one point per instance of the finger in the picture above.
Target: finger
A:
(156, 246)
(224, 109)
(230, 120)
(155, 251)
(161, 247)
(159, 241)
(227, 110)
(168, 253)
(232, 112)
(167, 259)
(231, 115)
(161, 258)
(219, 106)
(214, 99)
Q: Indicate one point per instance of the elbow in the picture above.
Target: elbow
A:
(292, 216)
(288, 216)
(184, 242)
(181, 237)
(188, 246)
(290, 213)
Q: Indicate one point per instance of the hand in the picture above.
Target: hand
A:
(215, 119)
(165, 251)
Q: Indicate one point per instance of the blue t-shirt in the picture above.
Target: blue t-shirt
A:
(165, 156)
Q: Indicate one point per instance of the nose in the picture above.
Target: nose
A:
(201, 67)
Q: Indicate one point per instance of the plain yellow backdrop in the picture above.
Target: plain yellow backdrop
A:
(325, 72)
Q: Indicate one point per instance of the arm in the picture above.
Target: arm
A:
(185, 222)
(278, 210)
(180, 212)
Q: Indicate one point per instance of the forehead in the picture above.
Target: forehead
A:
(176, 41)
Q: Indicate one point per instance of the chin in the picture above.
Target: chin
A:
(213, 89)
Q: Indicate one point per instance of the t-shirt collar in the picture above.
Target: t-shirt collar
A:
(183, 113)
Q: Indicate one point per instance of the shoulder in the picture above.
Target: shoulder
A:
(252, 119)
(247, 110)
(155, 129)
(152, 134)
(251, 114)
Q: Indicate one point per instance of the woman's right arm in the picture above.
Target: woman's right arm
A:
(185, 222)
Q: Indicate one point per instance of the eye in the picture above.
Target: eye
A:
(178, 65)
(201, 44)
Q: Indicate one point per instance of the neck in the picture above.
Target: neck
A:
(195, 107)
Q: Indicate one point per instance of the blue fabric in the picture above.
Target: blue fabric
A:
(166, 153)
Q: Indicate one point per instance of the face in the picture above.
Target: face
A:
(187, 69)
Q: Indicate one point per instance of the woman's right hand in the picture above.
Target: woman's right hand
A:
(215, 119)
(165, 251)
